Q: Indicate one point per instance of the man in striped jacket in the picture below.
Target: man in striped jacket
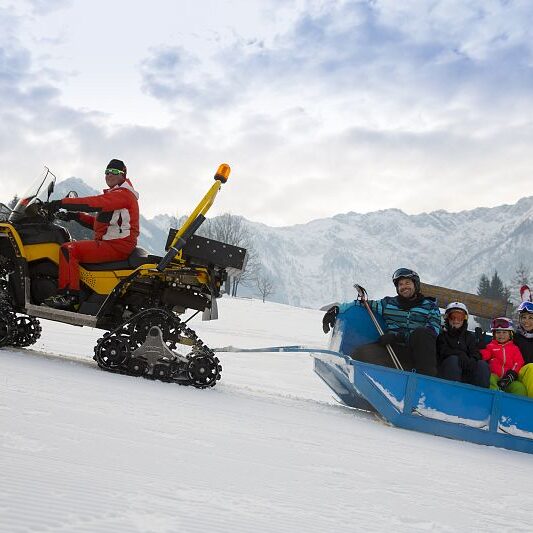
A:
(413, 323)
(116, 228)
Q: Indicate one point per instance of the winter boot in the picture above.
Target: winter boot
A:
(66, 302)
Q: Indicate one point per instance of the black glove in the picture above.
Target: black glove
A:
(53, 206)
(390, 337)
(468, 364)
(329, 319)
(507, 379)
(67, 216)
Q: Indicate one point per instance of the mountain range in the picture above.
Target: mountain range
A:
(318, 262)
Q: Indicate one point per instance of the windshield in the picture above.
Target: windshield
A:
(38, 192)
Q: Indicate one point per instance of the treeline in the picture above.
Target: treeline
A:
(496, 288)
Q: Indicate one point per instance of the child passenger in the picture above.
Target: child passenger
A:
(504, 357)
(524, 340)
(458, 357)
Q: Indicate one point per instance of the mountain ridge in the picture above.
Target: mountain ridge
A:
(318, 261)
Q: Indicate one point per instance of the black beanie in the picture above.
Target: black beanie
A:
(117, 164)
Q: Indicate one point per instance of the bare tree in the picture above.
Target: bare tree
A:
(232, 230)
(521, 276)
(248, 275)
(265, 284)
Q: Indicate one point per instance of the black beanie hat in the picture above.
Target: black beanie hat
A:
(117, 164)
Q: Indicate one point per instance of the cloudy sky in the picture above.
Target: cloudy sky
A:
(320, 107)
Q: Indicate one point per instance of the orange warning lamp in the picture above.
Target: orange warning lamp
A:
(222, 174)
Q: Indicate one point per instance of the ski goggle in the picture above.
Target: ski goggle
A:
(113, 171)
(501, 323)
(456, 314)
(404, 273)
(525, 307)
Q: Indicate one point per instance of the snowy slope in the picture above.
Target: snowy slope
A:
(266, 450)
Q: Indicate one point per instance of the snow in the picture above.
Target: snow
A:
(513, 430)
(267, 449)
(430, 412)
(398, 404)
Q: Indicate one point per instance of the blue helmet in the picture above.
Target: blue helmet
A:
(525, 307)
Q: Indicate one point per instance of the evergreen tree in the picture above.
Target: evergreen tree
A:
(483, 287)
(494, 289)
(498, 290)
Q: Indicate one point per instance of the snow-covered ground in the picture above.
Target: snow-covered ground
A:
(266, 450)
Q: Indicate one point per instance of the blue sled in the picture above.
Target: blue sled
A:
(421, 403)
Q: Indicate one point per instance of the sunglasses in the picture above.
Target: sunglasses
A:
(113, 171)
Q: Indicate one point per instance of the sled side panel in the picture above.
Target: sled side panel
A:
(516, 416)
(448, 409)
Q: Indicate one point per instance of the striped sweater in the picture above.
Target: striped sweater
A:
(424, 314)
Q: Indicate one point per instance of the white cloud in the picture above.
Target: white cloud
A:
(320, 107)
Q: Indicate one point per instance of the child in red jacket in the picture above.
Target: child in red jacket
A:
(504, 357)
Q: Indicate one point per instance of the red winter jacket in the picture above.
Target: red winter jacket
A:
(118, 214)
(502, 357)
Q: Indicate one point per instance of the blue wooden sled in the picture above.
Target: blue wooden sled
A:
(421, 403)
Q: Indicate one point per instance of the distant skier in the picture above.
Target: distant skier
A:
(504, 358)
(116, 228)
(458, 357)
(525, 294)
(413, 323)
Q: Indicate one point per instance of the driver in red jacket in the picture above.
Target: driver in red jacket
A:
(116, 228)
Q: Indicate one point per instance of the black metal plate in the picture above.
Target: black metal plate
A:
(208, 252)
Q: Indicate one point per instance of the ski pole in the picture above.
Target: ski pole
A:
(363, 296)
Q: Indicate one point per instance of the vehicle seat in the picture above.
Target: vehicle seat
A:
(137, 258)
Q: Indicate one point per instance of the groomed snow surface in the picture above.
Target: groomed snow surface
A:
(267, 449)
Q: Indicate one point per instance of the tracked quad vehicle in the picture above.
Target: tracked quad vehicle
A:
(136, 301)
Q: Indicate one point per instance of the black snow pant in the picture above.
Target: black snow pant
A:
(451, 369)
(420, 353)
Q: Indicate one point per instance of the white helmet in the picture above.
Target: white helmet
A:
(456, 306)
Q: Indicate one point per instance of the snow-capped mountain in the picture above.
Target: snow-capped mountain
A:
(318, 262)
